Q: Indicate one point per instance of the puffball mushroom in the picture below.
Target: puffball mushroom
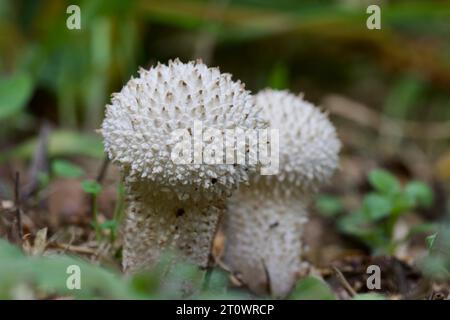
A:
(265, 220)
(173, 206)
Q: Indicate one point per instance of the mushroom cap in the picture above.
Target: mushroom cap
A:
(141, 119)
(308, 144)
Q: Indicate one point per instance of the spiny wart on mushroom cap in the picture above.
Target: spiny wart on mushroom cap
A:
(309, 146)
(141, 118)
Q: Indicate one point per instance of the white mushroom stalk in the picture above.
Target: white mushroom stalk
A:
(265, 221)
(173, 205)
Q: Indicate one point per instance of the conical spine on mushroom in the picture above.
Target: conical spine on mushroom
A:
(157, 222)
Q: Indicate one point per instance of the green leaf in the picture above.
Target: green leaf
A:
(359, 226)
(182, 276)
(48, 274)
(43, 179)
(354, 224)
(91, 186)
(384, 182)
(403, 96)
(401, 204)
(109, 224)
(279, 77)
(217, 283)
(420, 193)
(328, 206)
(421, 228)
(66, 169)
(8, 251)
(145, 282)
(369, 296)
(430, 241)
(436, 267)
(61, 143)
(15, 92)
(376, 206)
(312, 288)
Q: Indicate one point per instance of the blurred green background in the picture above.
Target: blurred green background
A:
(66, 76)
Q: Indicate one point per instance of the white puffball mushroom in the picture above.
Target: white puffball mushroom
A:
(265, 220)
(172, 205)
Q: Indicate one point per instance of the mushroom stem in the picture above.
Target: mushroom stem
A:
(264, 244)
(158, 221)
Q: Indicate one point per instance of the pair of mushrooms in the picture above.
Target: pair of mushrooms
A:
(179, 206)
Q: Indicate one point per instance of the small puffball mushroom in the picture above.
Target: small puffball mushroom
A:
(265, 220)
(172, 205)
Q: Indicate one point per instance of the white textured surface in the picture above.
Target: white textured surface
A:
(264, 240)
(156, 222)
(308, 152)
(309, 146)
(141, 118)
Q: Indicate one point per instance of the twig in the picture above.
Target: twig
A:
(17, 205)
(369, 118)
(72, 239)
(222, 265)
(102, 173)
(72, 248)
(344, 282)
(100, 177)
(39, 162)
(401, 277)
(234, 276)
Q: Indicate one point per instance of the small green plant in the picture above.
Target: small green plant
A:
(374, 222)
(94, 188)
(437, 264)
(431, 240)
(112, 225)
(329, 206)
(66, 169)
(15, 91)
(312, 288)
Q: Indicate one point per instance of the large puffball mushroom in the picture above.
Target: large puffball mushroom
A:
(174, 205)
(265, 220)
